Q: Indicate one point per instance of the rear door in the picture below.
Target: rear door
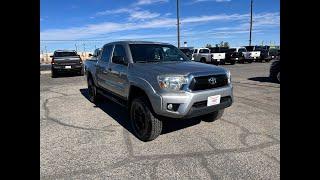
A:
(118, 72)
(102, 67)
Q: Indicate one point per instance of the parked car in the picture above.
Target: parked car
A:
(156, 81)
(187, 51)
(66, 61)
(202, 54)
(95, 54)
(218, 55)
(251, 54)
(275, 70)
(239, 54)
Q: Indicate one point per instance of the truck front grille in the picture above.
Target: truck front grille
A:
(202, 82)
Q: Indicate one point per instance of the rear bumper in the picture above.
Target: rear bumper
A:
(192, 104)
(64, 68)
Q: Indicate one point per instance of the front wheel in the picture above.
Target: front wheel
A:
(213, 116)
(145, 125)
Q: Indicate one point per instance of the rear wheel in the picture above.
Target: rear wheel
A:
(250, 60)
(54, 73)
(94, 96)
(203, 60)
(213, 116)
(145, 125)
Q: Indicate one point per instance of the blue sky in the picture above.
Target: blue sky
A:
(91, 23)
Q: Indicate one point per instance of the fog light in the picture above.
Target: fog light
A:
(169, 106)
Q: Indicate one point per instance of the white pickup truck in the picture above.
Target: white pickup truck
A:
(202, 54)
(251, 53)
(218, 55)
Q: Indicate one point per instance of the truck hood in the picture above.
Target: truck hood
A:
(179, 68)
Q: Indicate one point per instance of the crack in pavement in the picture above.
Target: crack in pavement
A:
(258, 85)
(47, 117)
(204, 163)
(257, 104)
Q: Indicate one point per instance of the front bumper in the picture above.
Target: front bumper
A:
(191, 104)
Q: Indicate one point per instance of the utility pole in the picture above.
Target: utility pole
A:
(250, 24)
(178, 24)
(76, 47)
(84, 49)
(45, 47)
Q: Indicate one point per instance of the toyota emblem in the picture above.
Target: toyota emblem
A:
(212, 80)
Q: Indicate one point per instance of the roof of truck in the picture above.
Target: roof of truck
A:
(138, 42)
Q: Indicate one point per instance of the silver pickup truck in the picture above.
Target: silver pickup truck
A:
(156, 81)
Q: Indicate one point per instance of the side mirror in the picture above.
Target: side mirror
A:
(118, 60)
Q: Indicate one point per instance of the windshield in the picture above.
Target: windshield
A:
(64, 54)
(156, 53)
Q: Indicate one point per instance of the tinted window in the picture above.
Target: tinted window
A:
(155, 53)
(242, 50)
(204, 51)
(186, 50)
(63, 54)
(249, 48)
(214, 50)
(231, 50)
(119, 51)
(106, 52)
(195, 51)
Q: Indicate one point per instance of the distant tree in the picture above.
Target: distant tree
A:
(221, 44)
(226, 44)
(208, 46)
(217, 45)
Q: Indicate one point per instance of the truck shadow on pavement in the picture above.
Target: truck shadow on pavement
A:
(262, 79)
(121, 115)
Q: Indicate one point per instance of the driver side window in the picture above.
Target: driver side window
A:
(106, 53)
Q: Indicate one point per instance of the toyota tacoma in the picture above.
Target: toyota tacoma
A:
(157, 81)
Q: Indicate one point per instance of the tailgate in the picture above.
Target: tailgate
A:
(219, 55)
(255, 54)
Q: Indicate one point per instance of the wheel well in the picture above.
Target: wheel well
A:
(135, 92)
(203, 58)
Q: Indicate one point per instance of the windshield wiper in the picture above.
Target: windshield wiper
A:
(147, 61)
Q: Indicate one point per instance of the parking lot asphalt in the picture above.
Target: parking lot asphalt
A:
(79, 140)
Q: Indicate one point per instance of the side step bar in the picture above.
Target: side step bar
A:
(113, 98)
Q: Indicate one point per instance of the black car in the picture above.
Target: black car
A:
(66, 61)
(187, 52)
(233, 56)
(275, 70)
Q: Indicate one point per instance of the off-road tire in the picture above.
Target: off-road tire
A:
(152, 126)
(93, 94)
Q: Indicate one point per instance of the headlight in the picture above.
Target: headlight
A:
(172, 82)
(229, 77)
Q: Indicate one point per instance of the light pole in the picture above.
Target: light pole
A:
(178, 24)
(250, 24)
